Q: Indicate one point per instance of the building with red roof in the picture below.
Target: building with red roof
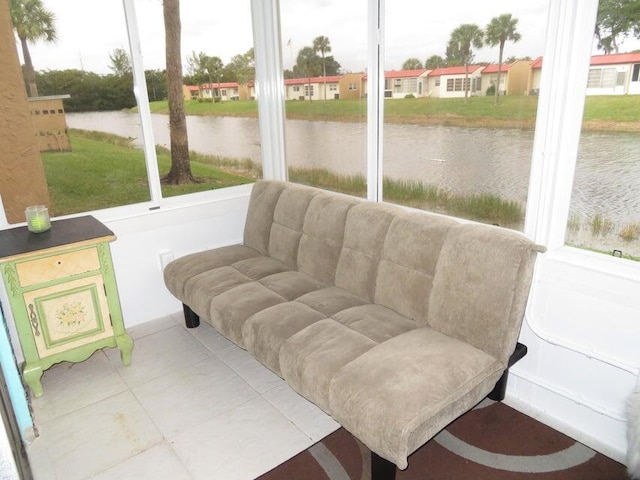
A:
(514, 77)
(612, 74)
(312, 88)
(449, 82)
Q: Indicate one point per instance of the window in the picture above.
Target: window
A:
(604, 213)
(327, 154)
(90, 68)
(449, 160)
(635, 76)
(412, 85)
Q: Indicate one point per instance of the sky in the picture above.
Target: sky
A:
(89, 30)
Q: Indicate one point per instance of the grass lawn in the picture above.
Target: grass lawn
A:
(104, 171)
(606, 112)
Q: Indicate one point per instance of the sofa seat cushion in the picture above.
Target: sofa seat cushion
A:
(202, 288)
(179, 271)
(265, 332)
(375, 321)
(331, 300)
(231, 309)
(260, 267)
(435, 378)
(291, 285)
(310, 358)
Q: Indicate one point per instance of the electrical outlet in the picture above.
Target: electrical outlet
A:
(165, 258)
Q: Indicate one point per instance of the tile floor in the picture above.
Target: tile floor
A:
(190, 406)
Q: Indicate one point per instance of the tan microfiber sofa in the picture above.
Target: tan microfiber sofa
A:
(393, 322)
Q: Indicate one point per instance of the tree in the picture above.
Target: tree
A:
(242, 67)
(306, 61)
(180, 171)
(323, 45)
(120, 63)
(412, 64)
(435, 61)
(616, 20)
(463, 39)
(500, 30)
(32, 22)
(203, 68)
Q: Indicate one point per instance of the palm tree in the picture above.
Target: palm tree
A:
(180, 171)
(462, 40)
(306, 58)
(412, 64)
(500, 30)
(32, 22)
(321, 44)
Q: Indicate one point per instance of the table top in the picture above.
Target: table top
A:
(19, 240)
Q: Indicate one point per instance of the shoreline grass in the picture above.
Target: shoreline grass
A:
(601, 113)
(106, 170)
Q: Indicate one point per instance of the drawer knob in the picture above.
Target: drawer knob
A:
(33, 318)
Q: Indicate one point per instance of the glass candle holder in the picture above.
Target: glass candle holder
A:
(37, 218)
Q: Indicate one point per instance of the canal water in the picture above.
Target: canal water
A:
(459, 159)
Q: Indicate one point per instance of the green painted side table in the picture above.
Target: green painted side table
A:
(63, 294)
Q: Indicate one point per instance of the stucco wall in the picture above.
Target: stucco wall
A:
(22, 181)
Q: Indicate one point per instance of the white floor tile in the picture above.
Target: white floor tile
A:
(304, 414)
(160, 353)
(149, 328)
(157, 463)
(192, 395)
(240, 444)
(94, 438)
(253, 372)
(70, 386)
(210, 338)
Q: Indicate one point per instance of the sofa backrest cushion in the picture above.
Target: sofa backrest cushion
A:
(288, 218)
(408, 263)
(365, 231)
(257, 228)
(481, 287)
(322, 236)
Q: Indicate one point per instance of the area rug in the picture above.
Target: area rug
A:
(491, 442)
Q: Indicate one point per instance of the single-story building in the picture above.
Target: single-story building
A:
(533, 86)
(612, 74)
(400, 83)
(224, 90)
(449, 82)
(190, 92)
(514, 77)
(312, 88)
(351, 85)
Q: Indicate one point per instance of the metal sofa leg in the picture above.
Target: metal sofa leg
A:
(500, 390)
(191, 319)
(381, 468)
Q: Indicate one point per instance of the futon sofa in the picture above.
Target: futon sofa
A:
(393, 322)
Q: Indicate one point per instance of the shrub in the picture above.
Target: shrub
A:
(410, 95)
(491, 91)
(217, 99)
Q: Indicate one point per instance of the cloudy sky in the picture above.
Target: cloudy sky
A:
(89, 30)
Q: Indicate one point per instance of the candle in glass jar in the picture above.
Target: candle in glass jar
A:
(37, 218)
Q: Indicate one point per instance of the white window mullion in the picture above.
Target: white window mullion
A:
(565, 70)
(269, 87)
(142, 98)
(375, 99)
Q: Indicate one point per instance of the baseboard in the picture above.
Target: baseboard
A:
(617, 453)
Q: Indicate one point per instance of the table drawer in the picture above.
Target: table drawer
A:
(42, 270)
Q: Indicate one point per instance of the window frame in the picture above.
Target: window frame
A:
(557, 131)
